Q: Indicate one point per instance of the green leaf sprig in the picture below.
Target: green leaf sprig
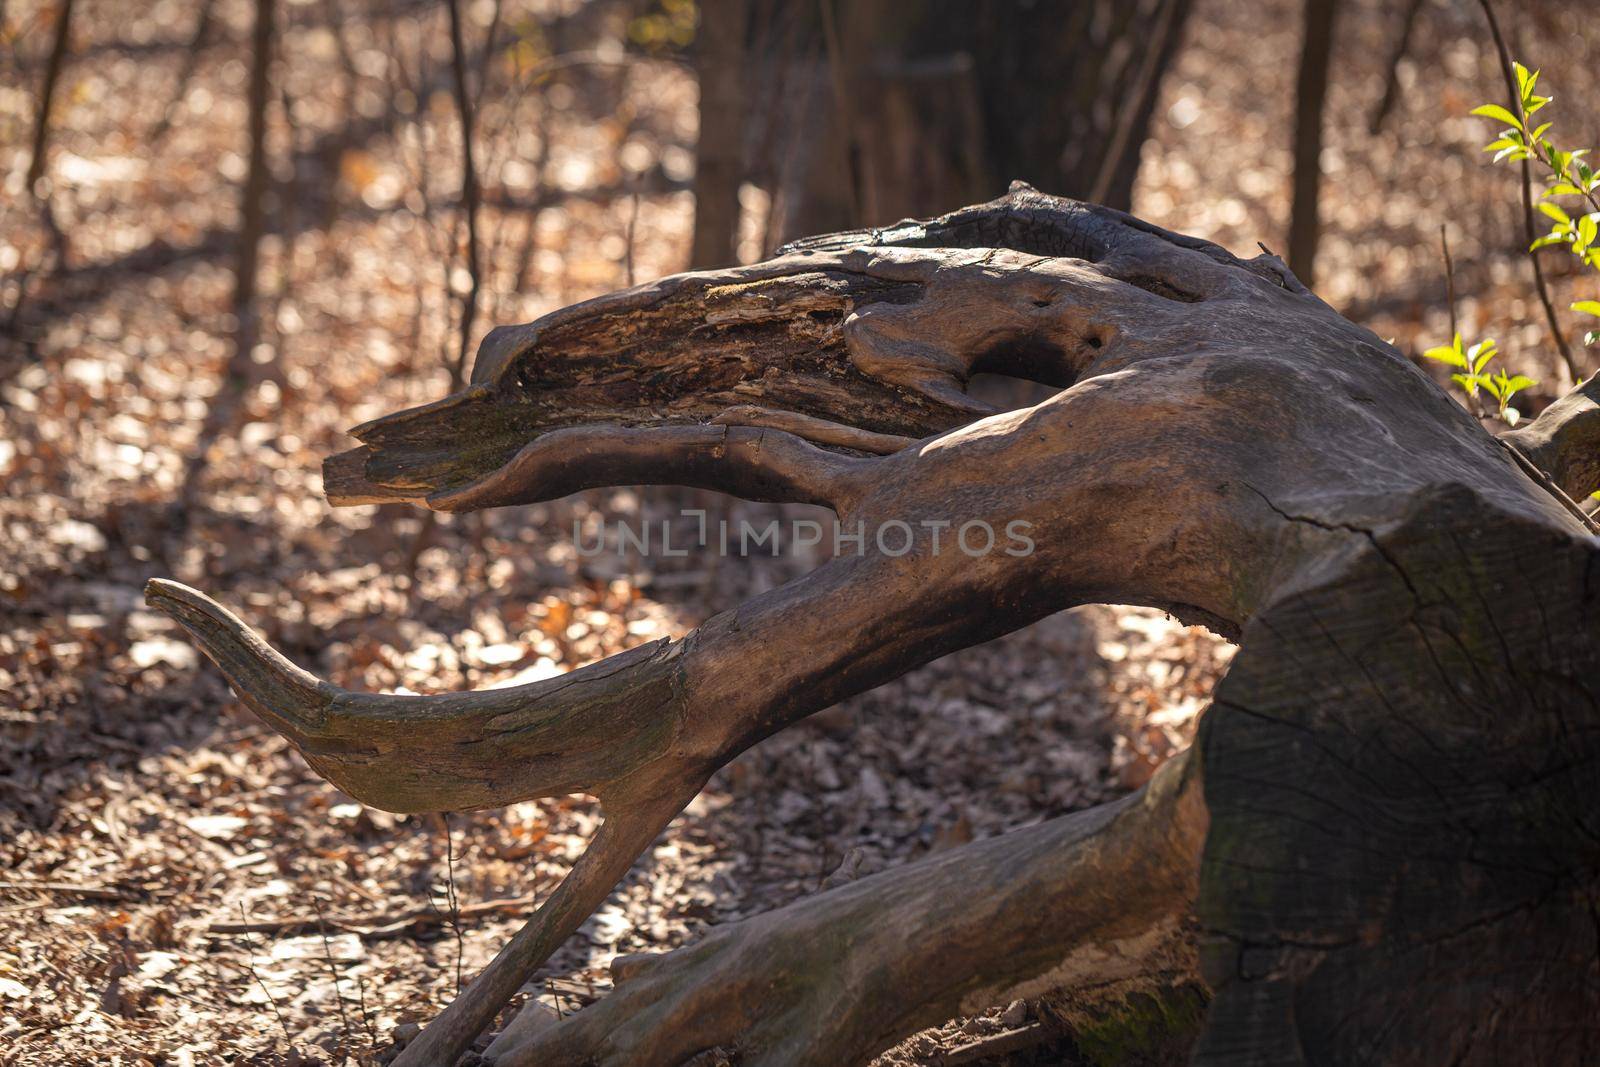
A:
(1569, 175)
(1473, 375)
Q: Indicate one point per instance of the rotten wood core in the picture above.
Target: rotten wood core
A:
(1384, 847)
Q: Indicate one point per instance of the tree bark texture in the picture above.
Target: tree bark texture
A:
(719, 153)
(1311, 96)
(1384, 846)
(925, 103)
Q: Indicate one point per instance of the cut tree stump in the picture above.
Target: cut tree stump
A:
(1384, 846)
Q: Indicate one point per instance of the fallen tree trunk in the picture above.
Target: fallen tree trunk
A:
(1398, 847)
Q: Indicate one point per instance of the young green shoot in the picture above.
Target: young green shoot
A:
(1473, 375)
(1569, 177)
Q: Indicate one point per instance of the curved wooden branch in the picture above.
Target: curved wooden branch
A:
(1094, 908)
(754, 463)
(579, 732)
(624, 835)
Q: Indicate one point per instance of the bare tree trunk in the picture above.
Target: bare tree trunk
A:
(241, 369)
(1391, 79)
(946, 102)
(469, 191)
(1311, 93)
(38, 164)
(59, 46)
(252, 200)
(719, 155)
(1384, 846)
(191, 63)
(1120, 164)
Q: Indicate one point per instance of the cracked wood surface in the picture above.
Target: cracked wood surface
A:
(1402, 772)
(1223, 446)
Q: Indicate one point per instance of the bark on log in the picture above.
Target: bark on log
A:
(1404, 846)
(1564, 441)
(1403, 852)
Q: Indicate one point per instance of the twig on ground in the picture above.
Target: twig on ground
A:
(250, 964)
(555, 999)
(91, 892)
(450, 889)
(373, 927)
(338, 994)
(1548, 484)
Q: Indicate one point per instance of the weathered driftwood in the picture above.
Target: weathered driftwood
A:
(1391, 800)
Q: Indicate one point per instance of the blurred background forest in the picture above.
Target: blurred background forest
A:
(231, 229)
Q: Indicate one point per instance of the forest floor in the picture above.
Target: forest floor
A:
(144, 814)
